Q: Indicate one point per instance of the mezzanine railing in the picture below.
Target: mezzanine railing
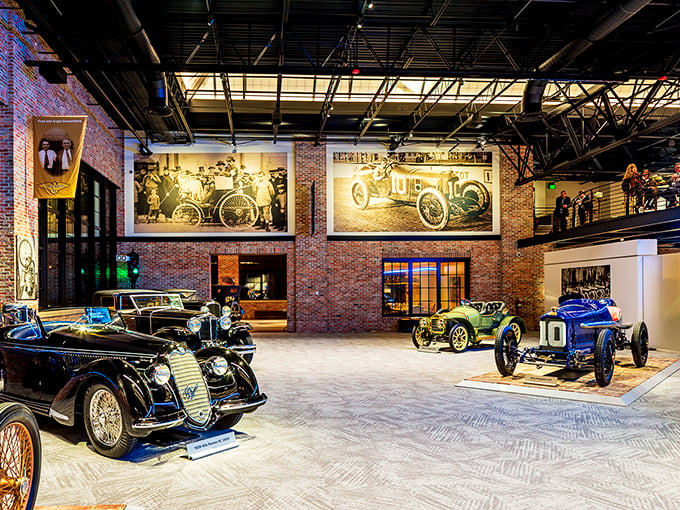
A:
(608, 201)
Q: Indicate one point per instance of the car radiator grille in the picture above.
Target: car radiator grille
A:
(191, 387)
(208, 328)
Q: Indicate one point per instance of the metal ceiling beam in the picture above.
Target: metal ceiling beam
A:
(611, 146)
(471, 107)
(428, 72)
(426, 105)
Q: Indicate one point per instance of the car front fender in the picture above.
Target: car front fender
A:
(119, 375)
(472, 331)
(512, 318)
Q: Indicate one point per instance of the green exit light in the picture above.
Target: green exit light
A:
(135, 270)
(551, 185)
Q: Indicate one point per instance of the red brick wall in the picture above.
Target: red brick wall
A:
(337, 285)
(27, 94)
(227, 267)
(332, 285)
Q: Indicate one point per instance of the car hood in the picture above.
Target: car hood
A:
(577, 309)
(105, 338)
(460, 312)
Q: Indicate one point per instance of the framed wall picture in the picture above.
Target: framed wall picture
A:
(26, 268)
(591, 282)
(417, 190)
(198, 191)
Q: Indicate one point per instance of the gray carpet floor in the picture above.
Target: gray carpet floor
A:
(367, 422)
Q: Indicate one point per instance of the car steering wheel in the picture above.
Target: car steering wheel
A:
(465, 302)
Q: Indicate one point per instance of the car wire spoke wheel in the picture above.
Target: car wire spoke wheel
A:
(506, 353)
(20, 457)
(187, 214)
(104, 422)
(433, 209)
(238, 211)
(459, 338)
(517, 329)
(106, 417)
(360, 195)
(419, 338)
(639, 344)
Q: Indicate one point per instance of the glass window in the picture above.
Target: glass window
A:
(420, 287)
(76, 257)
(395, 289)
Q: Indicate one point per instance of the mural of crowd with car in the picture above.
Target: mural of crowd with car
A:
(229, 193)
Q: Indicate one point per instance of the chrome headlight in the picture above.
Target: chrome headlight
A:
(194, 324)
(423, 322)
(218, 366)
(225, 322)
(160, 374)
(226, 310)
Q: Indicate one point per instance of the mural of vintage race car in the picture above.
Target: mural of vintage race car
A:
(469, 323)
(119, 385)
(580, 333)
(437, 193)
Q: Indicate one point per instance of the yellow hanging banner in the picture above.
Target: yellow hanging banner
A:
(57, 149)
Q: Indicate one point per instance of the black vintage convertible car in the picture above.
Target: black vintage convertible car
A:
(164, 314)
(120, 385)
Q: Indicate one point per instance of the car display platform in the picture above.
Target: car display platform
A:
(629, 383)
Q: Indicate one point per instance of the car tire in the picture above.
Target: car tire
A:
(245, 341)
(459, 338)
(505, 351)
(360, 195)
(418, 337)
(105, 423)
(20, 456)
(475, 197)
(228, 421)
(639, 344)
(604, 357)
(433, 209)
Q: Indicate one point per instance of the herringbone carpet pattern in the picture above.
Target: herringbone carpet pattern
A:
(367, 422)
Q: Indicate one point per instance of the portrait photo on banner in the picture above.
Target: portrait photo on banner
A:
(214, 193)
(412, 191)
(57, 148)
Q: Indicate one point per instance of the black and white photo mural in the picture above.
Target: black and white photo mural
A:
(412, 191)
(210, 193)
(591, 282)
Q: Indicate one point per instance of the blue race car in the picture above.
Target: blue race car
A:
(580, 333)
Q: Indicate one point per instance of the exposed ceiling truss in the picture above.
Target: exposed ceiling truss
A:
(397, 72)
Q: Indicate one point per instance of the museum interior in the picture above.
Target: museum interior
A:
(339, 254)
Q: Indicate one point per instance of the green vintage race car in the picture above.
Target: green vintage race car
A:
(469, 323)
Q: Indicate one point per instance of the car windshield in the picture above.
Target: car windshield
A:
(141, 301)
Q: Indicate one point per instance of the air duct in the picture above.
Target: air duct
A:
(157, 87)
(532, 99)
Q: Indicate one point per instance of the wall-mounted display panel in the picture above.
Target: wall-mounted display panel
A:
(417, 191)
(204, 190)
